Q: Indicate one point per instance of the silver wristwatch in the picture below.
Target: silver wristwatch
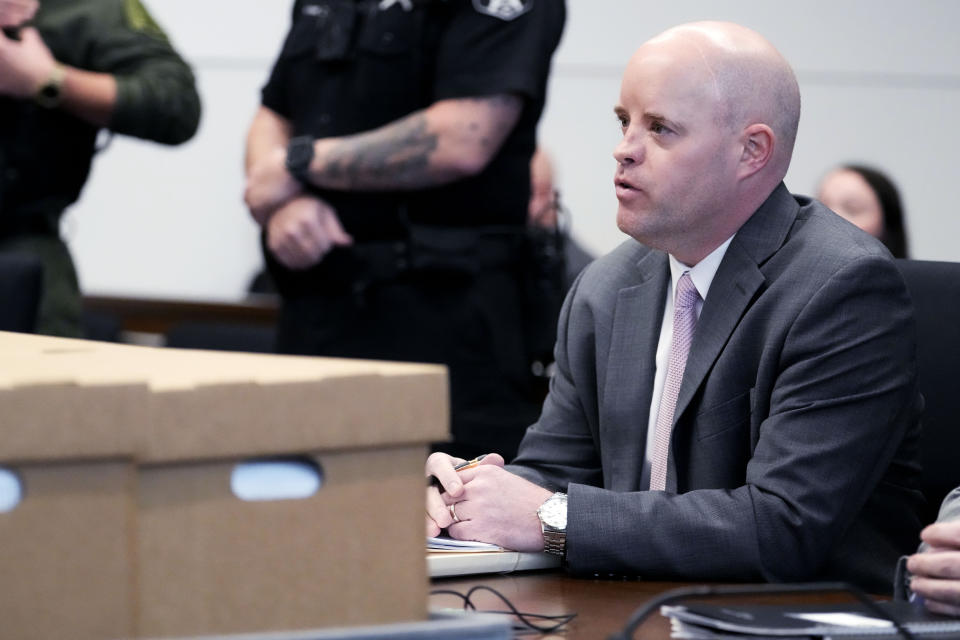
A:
(553, 523)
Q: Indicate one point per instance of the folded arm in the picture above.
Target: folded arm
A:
(130, 79)
(302, 230)
(447, 141)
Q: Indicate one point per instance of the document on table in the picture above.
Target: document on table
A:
(706, 621)
(445, 544)
(449, 557)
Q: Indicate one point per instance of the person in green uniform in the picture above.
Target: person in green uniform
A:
(69, 68)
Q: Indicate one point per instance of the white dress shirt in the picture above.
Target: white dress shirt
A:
(702, 275)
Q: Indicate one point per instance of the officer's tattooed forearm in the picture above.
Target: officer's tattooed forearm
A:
(404, 154)
(395, 156)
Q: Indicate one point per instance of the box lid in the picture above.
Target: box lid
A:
(64, 398)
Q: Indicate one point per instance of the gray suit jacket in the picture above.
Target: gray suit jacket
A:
(794, 446)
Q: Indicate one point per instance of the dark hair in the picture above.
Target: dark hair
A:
(894, 229)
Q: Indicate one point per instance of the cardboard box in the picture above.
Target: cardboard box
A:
(129, 525)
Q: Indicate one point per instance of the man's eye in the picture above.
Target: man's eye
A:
(659, 128)
(623, 122)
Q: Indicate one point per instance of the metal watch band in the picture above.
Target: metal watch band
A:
(555, 542)
(553, 524)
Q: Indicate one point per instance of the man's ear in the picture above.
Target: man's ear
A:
(758, 143)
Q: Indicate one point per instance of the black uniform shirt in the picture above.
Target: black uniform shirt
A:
(349, 66)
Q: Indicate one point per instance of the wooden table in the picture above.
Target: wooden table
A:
(150, 315)
(602, 606)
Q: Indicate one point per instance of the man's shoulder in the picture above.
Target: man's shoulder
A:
(821, 243)
(70, 9)
(69, 27)
(600, 283)
(620, 267)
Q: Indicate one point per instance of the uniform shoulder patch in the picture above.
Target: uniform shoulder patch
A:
(139, 19)
(503, 9)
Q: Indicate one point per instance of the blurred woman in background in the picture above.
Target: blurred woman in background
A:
(869, 199)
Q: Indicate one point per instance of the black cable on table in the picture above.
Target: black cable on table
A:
(525, 618)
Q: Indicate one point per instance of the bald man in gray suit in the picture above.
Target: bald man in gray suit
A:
(791, 452)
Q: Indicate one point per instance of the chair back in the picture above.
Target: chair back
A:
(935, 289)
(21, 282)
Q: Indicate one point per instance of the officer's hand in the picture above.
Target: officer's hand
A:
(270, 185)
(302, 231)
(16, 12)
(24, 65)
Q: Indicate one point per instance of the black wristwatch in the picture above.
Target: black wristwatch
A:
(51, 91)
(299, 157)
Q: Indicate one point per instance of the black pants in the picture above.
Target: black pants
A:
(472, 325)
(61, 306)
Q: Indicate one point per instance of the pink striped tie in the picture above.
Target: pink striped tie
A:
(684, 322)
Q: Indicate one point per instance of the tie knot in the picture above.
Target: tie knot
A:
(687, 294)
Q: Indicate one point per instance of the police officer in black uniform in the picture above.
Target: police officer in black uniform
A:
(389, 168)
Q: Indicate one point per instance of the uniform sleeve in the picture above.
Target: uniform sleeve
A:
(272, 95)
(156, 91)
(484, 55)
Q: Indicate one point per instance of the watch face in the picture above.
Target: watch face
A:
(554, 512)
(50, 92)
(48, 95)
(299, 156)
(300, 153)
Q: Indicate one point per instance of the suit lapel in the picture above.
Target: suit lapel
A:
(630, 371)
(733, 289)
(729, 296)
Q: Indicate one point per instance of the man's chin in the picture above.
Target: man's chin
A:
(640, 229)
(632, 222)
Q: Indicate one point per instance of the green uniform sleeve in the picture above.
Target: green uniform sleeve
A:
(156, 91)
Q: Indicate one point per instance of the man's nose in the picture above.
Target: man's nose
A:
(629, 150)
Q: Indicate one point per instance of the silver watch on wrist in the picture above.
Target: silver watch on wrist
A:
(553, 523)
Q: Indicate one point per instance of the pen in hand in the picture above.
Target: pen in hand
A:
(469, 464)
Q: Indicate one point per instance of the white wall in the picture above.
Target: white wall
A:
(879, 82)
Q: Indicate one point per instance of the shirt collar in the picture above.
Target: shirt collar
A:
(701, 273)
